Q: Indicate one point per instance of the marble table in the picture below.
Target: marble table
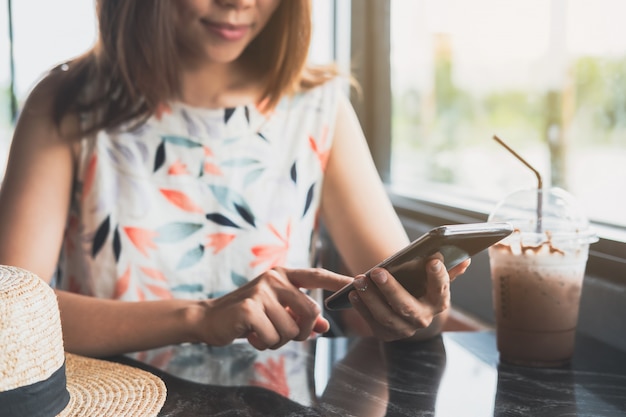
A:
(456, 374)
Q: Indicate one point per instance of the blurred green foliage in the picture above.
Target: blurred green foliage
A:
(592, 101)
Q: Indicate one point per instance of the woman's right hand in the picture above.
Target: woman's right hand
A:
(269, 311)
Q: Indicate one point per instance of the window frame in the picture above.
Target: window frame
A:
(370, 51)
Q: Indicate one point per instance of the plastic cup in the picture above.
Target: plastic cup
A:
(537, 276)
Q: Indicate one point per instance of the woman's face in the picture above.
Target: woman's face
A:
(218, 31)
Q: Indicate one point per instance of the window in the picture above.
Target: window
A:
(440, 77)
(548, 77)
(6, 96)
(39, 35)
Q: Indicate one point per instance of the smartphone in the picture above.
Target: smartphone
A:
(454, 243)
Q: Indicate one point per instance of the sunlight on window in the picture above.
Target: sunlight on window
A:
(548, 77)
(46, 33)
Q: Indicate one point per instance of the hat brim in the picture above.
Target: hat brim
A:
(108, 389)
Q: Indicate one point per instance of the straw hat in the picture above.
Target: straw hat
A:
(38, 378)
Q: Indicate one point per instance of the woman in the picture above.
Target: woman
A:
(172, 178)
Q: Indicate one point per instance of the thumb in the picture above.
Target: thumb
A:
(321, 325)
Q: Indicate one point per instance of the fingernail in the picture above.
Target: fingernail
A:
(435, 266)
(378, 276)
(354, 298)
(360, 283)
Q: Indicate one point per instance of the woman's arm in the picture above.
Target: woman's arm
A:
(355, 206)
(365, 229)
(34, 204)
(35, 192)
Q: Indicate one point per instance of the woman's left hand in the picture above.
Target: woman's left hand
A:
(393, 313)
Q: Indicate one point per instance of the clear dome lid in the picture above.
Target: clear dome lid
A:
(547, 215)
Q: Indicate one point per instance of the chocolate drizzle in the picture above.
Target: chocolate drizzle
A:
(531, 249)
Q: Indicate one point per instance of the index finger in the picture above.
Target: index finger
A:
(312, 278)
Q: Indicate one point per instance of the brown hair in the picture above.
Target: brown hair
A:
(133, 67)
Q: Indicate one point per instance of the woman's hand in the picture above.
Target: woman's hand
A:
(269, 311)
(391, 312)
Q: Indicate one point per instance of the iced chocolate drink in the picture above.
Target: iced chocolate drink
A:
(537, 278)
(536, 295)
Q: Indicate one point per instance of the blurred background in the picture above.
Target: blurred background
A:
(548, 77)
(439, 78)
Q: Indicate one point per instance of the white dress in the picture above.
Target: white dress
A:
(197, 202)
(194, 204)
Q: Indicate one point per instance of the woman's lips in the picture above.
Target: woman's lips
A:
(227, 31)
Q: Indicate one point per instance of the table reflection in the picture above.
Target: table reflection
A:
(456, 374)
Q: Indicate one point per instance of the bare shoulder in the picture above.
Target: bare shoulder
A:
(37, 183)
(37, 115)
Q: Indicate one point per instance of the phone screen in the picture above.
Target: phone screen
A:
(451, 243)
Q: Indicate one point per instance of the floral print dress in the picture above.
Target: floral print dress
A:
(196, 202)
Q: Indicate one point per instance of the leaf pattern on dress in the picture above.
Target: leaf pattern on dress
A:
(178, 168)
(142, 239)
(309, 199)
(320, 147)
(124, 151)
(239, 162)
(228, 114)
(272, 376)
(252, 176)
(112, 156)
(159, 286)
(122, 284)
(210, 168)
(219, 241)
(237, 279)
(181, 200)
(117, 244)
(293, 173)
(181, 141)
(175, 231)
(159, 157)
(272, 255)
(191, 257)
(232, 200)
(245, 214)
(192, 128)
(189, 288)
(221, 220)
(129, 288)
(143, 150)
(101, 235)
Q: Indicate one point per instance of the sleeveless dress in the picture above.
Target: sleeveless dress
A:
(195, 203)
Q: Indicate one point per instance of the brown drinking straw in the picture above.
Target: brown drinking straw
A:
(539, 181)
